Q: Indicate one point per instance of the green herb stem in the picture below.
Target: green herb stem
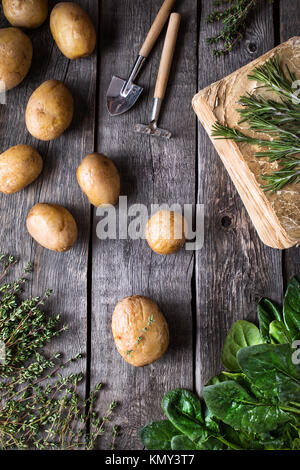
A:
(279, 120)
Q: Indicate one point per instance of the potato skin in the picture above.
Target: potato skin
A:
(99, 179)
(165, 232)
(49, 110)
(15, 56)
(52, 226)
(72, 30)
(129, 318)
(19, 166)
(25, 13)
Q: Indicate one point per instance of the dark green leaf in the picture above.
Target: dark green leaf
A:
(182, 442)
(217, 379)
(278, 333)
(183, 409)
(242, 439)
(241, 379)
(231, 403)
(213, 443)
(158, 435)
(291, 308)
(211, 422)
(241, 334)
(296, 444)
(270, 367)
(225, 376)
(267, 311)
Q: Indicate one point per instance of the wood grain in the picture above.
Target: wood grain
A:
(65, 273)
(289, 27)
(152, 171)
(234, 268)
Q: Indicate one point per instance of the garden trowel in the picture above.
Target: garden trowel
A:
(122, 94)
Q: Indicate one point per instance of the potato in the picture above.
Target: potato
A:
(19, 166)
(99, 179)
(15, 57)
(52, 226)
(25, 13)
(140, 330)
(165, 232)
(49, 110)
(72, 30)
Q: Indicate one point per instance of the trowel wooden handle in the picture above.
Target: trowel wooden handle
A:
(167, 56)
(157, 27)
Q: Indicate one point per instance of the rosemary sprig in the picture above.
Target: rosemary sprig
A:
(277, 79)
(39, 407)
(283, 114)
(280, 120)
(234, 23)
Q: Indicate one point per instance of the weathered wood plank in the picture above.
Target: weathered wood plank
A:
(289, 27)
(234, 268)
(152, 171)
(65, 273)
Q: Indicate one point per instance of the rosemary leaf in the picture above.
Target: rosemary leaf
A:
(280, 120)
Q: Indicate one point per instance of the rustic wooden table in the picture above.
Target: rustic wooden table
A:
(201, 293)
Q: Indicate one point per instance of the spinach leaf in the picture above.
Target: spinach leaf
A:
(211, 422)
(271, 369)
(267, 311)
(296, 444)
(241, 334)
(158, 435)
(183, 409)
(217, 379)
(241, 379)
(242, 439)
(182, 442)
(281, 438)
(231, 403)
(213, 443)
(291, 308)
(279, 333)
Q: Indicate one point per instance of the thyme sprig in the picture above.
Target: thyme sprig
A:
(40, 408)
(115, 433)
(234, 23)
(141, 336)
(279, 119)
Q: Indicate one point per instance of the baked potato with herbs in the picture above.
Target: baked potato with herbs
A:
(140, 330)
(99, 179)
(25, 13)
(72, 30)
(19, 166)
(15, 57)
(52, 226)
(165, 232)
(49, 110)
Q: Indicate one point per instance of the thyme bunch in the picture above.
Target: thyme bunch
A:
(279, 119)
(40, 408)
(234, 23)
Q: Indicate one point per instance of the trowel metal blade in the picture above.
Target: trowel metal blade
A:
(119, 102)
